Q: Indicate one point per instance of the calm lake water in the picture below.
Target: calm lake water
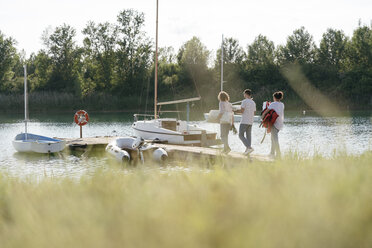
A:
(306, 135)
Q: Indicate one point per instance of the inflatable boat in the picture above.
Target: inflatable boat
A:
(130, 149)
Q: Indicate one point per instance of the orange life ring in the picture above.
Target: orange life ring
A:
(81, 117)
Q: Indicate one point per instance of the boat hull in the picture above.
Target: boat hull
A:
(162, 136)
(173, 131)
(37, 143)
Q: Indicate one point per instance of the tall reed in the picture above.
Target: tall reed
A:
(289, 203)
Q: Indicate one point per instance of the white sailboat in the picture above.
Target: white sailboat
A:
(28, 142)
(171, 130)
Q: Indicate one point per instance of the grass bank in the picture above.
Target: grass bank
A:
(290, 203)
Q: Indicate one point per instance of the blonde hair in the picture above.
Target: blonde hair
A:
(223, 96)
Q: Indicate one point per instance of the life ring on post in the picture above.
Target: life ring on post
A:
(81, 117)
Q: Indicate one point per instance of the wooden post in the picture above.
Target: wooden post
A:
(187, 116)
(81, 132)
(203, 141)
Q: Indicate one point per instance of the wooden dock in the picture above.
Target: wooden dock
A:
(89, 141)
(174, 151)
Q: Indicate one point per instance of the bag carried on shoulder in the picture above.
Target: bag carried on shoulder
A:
(226, 118)
(269, 119)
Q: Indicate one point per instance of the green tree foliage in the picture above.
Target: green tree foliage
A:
(167, 55)
(116, 63)
(261, 74)
(360, 48)
(357, 84)
(193, 58)
(300, 48)
(261, 51)
(193, 54)
(233, 57)
(64, 57)
(168, 75)
(168, 71)
(134, 52)
(8, 59)
(332, 48)
(99, 56)
(42, 72)
(327, 72)
(233, 53)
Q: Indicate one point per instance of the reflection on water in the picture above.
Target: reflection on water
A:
(306, 135)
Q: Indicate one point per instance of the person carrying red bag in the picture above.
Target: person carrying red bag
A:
(273, 120)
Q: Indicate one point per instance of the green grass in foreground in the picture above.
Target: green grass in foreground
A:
(290, 203)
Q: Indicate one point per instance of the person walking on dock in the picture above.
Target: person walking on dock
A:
(225, 118)
(278, 107)
(248, 108)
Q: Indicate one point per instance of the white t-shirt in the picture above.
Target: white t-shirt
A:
(225, 107)
(279, 109)
(226, 110)
(248, 115)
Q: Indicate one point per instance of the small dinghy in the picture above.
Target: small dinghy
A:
(27, 142)
(128, 149)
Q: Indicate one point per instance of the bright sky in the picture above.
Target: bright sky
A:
(25, 20)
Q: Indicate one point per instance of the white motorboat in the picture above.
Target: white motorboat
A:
(171, 130)
(27, 142)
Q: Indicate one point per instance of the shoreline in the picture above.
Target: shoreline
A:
(308, 112)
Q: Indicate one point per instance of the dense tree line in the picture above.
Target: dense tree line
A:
(116, 60)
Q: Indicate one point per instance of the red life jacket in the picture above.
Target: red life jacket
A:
(269, 119)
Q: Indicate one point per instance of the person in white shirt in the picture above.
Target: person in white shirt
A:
(248, 108)
(278, 106)
(225, 118)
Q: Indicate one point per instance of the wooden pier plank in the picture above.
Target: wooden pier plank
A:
(208, 151)
(90, 141)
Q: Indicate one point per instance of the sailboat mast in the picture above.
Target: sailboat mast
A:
(26, 113)
(222, 64)
(156, 63)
